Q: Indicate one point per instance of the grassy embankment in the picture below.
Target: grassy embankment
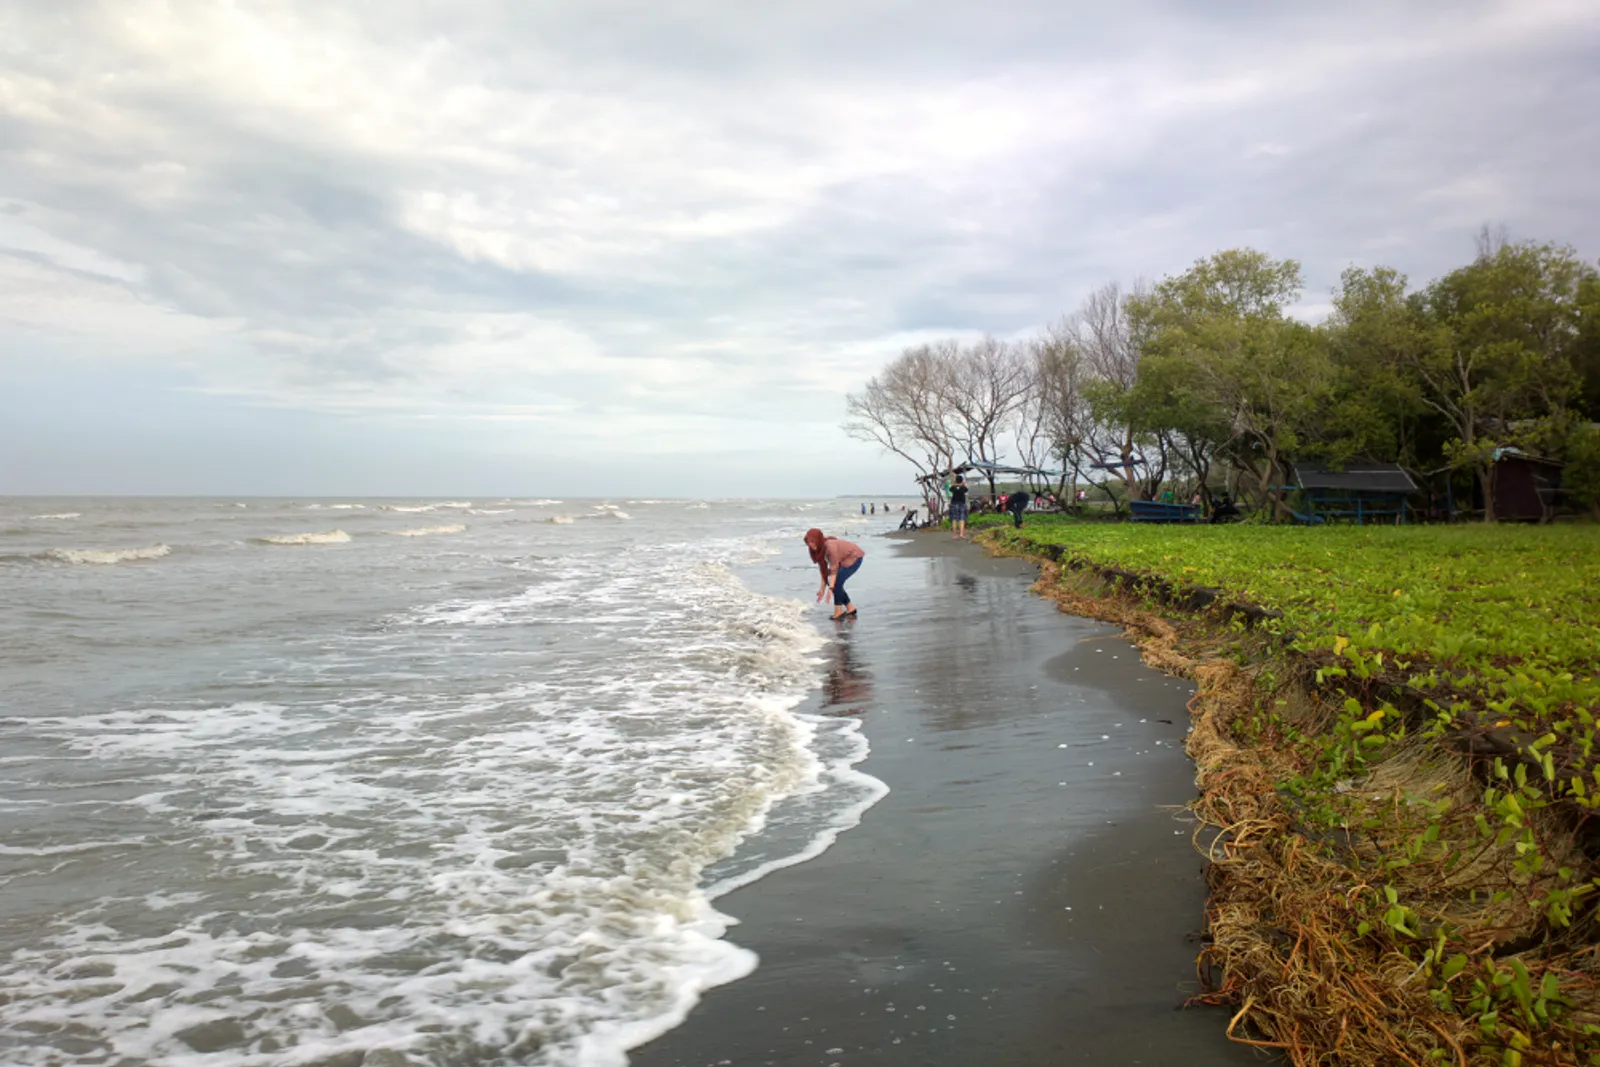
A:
(1395, 735)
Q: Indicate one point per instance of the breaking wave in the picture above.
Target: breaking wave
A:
(490, 869)
(325, 537)
(104, 555)
(425, 531)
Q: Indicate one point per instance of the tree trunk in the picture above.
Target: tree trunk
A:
(1280, 509)
(1486, 483)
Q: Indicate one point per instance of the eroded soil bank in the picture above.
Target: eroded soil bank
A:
(1389, 883)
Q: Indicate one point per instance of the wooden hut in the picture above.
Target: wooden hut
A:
(1526, 487)
(1362, 492)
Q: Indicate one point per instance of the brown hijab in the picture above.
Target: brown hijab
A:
(816, 542)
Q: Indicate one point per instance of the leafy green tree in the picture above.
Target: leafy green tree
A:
(1375, 406)
(1502, 335)
(1232, 366)
(1580, 479)
(1586, 348)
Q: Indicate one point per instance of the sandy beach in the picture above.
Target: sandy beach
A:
(1026, 894)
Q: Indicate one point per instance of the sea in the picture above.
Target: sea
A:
(399, 782)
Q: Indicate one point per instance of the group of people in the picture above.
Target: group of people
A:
(1016, 503)
(837, 559)
(872, 509)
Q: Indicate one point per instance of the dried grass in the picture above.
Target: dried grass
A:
(1283, 947)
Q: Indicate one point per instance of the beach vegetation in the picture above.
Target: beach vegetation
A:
(1218, 380)
(1395, 744)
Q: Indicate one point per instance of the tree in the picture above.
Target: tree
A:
(1107, 336)
(1376, 406)
(1060, 373)
(983, 386)
(901, 409)
(1171, 402)
(1502, 334)
(1220, 330)
(1586, 346)
(1581, 477)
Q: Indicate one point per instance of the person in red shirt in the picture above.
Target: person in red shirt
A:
(836, 560)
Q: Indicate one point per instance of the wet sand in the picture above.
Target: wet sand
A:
(1026, 894)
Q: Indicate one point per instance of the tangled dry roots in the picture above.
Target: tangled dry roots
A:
(1280, 915)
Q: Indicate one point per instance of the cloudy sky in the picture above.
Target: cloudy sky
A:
(645, 246)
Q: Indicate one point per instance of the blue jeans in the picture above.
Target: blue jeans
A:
(840, 597)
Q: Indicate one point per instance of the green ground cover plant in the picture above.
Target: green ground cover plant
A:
(1443, 770)
(1488, 602)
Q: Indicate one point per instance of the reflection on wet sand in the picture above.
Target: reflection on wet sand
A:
(848, 686)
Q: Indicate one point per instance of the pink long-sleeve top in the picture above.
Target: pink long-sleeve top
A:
(840, 553)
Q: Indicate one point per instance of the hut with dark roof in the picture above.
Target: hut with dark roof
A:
(1363, 491)
(1526, 487)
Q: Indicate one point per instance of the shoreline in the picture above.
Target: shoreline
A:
(1369, 902)
(1026, 893)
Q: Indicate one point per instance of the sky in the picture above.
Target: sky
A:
(407, 247)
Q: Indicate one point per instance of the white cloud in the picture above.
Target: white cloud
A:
(633, 227)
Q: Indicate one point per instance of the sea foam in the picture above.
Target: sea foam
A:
(324, 537)
(532, 850)
(427, 531)
(105, 555)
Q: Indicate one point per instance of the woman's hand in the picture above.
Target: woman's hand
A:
(822, 591)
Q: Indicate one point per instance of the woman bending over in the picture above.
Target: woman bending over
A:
(836, 560)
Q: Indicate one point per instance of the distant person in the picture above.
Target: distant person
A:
(958, 507)
(837, 561)
(874, 509)
(1225, 509)
(1017, 503)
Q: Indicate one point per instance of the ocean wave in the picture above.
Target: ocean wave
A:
(105, 556)
(561, 520)
(490, 511)
(540, 503)
(426, 531)
(454, 504)
(62, 515)
(545, 839)
(336, 507)
(324, 537)
(411, 508)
